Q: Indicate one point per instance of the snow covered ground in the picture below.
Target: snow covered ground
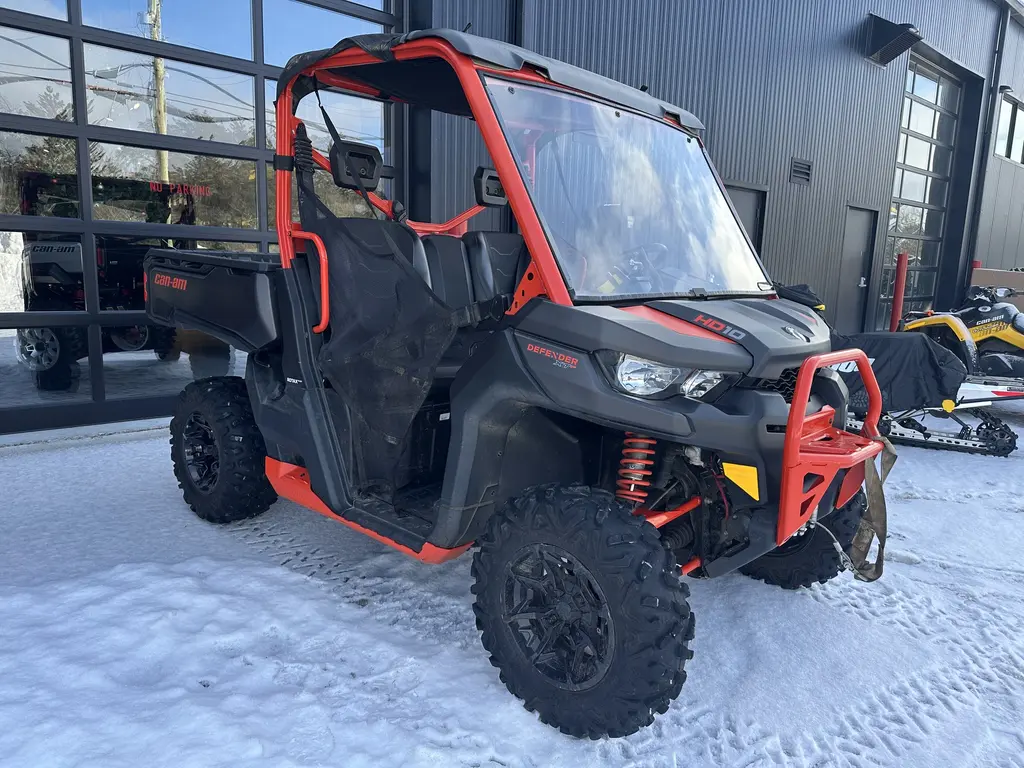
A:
(133, 634)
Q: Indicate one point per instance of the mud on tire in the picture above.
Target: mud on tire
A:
(582, 610)
(810, 558)
(218, 452)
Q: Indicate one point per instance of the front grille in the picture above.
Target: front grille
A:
(785, 385)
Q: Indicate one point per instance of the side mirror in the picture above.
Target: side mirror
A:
(365, 160)
(488, 189)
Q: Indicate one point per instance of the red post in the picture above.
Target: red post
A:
(899, 288)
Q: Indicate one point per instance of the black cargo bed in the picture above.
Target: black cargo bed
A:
(229, 295)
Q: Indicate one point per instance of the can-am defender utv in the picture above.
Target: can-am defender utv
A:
(613, 392)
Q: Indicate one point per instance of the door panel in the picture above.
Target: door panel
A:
(855, 269)
(749, 204)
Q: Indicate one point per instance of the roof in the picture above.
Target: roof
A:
(504, 55)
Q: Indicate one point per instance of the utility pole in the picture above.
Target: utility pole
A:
(160, 106)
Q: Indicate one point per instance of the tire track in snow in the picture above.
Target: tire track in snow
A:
(883, 726)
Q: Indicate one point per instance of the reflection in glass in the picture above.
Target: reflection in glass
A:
(220, 26)
(38, 175)
(918, 153)
(926, 86)
(54, 9)
(40, 272)
(44, 365)
(949, 95)
(162, 361)
(914, 186)
(290, 27)
(157, 186)
(357, 119)
(156, 95)
(922, 119)
(35, 75)
(343, 203)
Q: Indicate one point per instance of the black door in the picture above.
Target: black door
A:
(749, 204)
(855, 269)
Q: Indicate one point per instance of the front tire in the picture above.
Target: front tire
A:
(218, 452)
(582, 610)
(811, 558)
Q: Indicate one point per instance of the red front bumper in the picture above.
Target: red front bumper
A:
(815, 451)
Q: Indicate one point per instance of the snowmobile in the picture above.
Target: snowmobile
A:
(986, 333)
(592, 407)
(922, 382)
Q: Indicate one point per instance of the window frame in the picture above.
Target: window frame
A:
(89, 229)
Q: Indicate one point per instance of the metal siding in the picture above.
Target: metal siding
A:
(1000, 244)
(771, 80)
(458, 150)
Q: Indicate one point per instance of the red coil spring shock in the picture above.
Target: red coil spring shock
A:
(635, 467)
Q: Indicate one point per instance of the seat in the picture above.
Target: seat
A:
(370, 234)
(497, 261)
(450, 278)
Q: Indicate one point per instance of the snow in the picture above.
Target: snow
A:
(134, 634)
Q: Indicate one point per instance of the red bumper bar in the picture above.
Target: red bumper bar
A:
(815, 451)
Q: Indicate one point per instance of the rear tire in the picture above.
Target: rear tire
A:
(811, 558)
(596, 587)
(218, 452)
(51, 355)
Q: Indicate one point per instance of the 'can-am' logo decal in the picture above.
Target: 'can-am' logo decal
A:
(177, 283)
(723, 329)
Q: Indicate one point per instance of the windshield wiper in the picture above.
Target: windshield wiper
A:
(699, 294)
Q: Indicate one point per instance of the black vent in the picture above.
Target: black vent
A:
(800, 171)
(887, 41)
(785, 385)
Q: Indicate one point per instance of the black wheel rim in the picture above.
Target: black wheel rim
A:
(795, 543)
(559, 617)
(202, 458)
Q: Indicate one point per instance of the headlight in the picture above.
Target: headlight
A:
(644, 377)
(699, 383)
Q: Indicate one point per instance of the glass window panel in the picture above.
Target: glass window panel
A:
(945, 128)
(41, 273)
(893, 216)
(940, 160)
(910, 80)
(932, 223)
(41, 366)
(926, 86)
(921, 284)
(1003, 130)
(917, 153)
(902, 149)
(909, 220)
(909, 246)
(922, 119)
(936, 191)
(157, 186)
(1017, 140)
(949, 95)
(356, 119)
(905, 116)
(199, 103)
(38, 175)
(343, 203)
(220, 26)
(54, 9)
(889, 250)
(35, 75)
(930, 253)
(914, 186)
(888, 281)
(290, 27)
(897, 181)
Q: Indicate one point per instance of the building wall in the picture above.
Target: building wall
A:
(1000, 229)
(771, 81)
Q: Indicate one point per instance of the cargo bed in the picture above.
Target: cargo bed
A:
(229, 295)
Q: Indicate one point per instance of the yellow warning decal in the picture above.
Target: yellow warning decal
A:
(743, 476)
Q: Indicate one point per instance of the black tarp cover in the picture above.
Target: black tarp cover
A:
(912, 370)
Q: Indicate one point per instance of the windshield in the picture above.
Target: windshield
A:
(630, 204)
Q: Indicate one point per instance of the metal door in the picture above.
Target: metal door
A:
(855, 269)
